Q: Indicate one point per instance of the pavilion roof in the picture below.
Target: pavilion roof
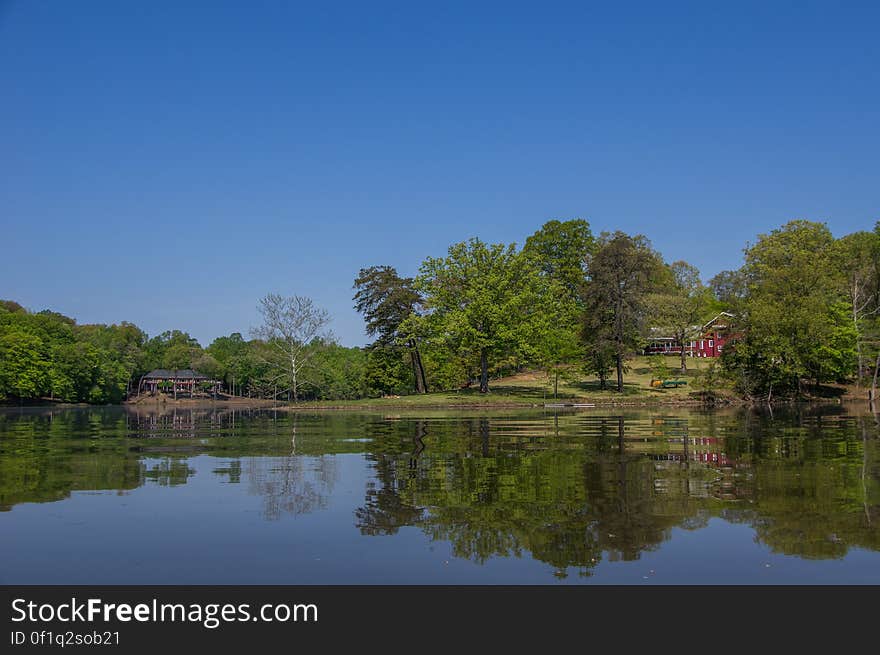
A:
(180, 374)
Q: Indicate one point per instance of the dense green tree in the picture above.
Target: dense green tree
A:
(337, 373)
(47, 355)
(600, 348)
(486, 302)
(387, 300)
(122, 348)
(25, 366)
(857, 257)
(621, 275)
(448, 369)
(388, 371)
(238, 361)
(11, 306)
(560, 249)
(173, 349)
(794, 325)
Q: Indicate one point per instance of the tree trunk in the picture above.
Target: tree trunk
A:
(484, 371)
(684, 366)
(422, 371)
(484, 436)
(556, 384)
(415, 370)
(858, 347)
(418, 368)
(874, 380)
(619, 358)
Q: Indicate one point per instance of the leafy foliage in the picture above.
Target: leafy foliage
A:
(486, 303)
(387, 300)
(793, 326)
(621, 275)
(805, 310)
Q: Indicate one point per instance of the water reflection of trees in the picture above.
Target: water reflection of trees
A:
(493, 493)
(293, 485)
(167, 471)
(568, 489)
(46, 453)
(40, 463)
(574, 490)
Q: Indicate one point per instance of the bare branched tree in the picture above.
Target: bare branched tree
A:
(290, 325)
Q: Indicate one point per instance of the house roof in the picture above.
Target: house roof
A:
(180, 374)
(720, 320)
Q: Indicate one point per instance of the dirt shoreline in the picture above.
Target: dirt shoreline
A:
(377, 404)
(579, 403)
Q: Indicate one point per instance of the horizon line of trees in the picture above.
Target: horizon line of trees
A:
(806, 310)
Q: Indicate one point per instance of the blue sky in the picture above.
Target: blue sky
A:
(168, 163)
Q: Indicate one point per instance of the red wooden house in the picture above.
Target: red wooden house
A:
(708, 341)
(712, 337)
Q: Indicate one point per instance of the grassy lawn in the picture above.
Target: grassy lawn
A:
(536, 388)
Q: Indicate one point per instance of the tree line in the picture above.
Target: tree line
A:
(805, 310)
(805, 307)
(45, 355)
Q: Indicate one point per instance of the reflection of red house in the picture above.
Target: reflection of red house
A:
(709, 340)
(699, 449)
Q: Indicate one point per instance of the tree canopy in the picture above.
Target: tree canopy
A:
(620, 276)
(803, 309)
(387, 300)
(486, 303)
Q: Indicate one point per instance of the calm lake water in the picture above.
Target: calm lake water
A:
(213, 496)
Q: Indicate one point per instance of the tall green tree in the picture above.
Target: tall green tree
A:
(486, 302)
(387, 300)
(25, 364)
(621, 275)
(857, 256)
(794, 322)
(681, 305)
(600, 348)
(560, 251)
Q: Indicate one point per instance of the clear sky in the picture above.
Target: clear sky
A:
(168, 163)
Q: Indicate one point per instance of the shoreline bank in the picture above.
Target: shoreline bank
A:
(450, 401)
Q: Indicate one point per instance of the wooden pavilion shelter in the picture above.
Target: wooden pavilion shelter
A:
(178, 381)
